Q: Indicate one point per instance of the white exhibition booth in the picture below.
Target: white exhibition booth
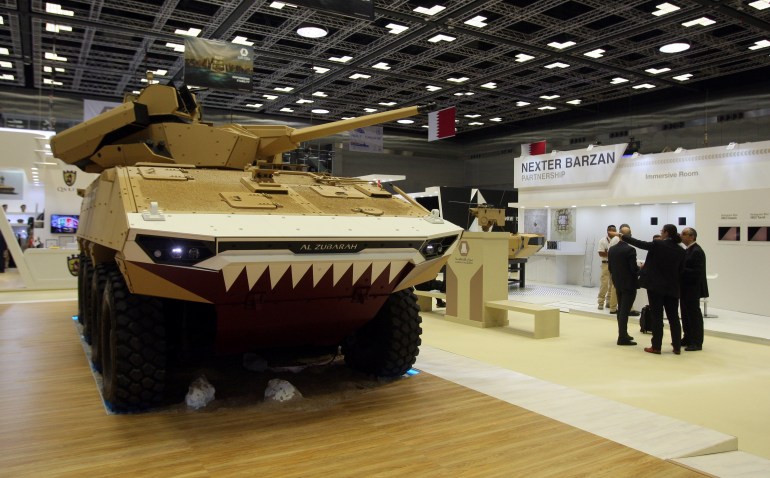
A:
(38, 184)
(721, 191)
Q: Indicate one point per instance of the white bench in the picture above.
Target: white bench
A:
(546, 318)
(425, 299)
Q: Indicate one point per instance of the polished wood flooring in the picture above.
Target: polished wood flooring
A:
(53, 423)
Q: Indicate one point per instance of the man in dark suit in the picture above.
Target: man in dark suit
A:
(693, 287)
(662, 271)
(625, 277)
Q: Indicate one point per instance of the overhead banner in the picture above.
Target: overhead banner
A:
(568, 168)
(218, 65)
(367, 139)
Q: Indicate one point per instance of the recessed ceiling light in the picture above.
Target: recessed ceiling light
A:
(676, 47)
(477, 21)
(472, 116)
(475, 123)
(405, 121)
(270, 97)
(286, 110)
(549, 97)
(646, 86)
(53, 27)
(665, 8)
(341, 59)
(760, 4)
(491, 85)
(496, 119)
(7, 64)
(359, 76)
(657, 71)
(4, 51)
(558, 64)
(760, 44)
(545, 108)
(684, 77)
(54, 56)
(370, 110)
(320, 69)
(441, 37)
(598, 53)
(432, 88)
(320, 111)
(56, 9)
(429, 11)
(522, 57)
(522, 103)
(381, 66)
(312, 31)
(561, 46)
(387, 103)
(574, 102)
(302, 101)
(254, 105)
(618, 80)
(395, 28)
(284, 89)
(702, 21)
(458, 80)
(190, 32)
(321, 94)
(242, 41)
(175, 46)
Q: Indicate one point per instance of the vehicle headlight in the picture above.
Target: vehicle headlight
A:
(169, 250)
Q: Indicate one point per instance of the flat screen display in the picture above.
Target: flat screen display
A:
(64, 223)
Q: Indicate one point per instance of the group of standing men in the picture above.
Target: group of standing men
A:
(672, 275)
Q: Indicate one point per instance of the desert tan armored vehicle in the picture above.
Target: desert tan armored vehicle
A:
(196, 239)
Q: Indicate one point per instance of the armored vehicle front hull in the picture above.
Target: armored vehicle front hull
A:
(246, 270)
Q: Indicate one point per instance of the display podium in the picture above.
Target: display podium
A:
(477, 272)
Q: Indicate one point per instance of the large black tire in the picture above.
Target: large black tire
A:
(133, 340)
(94, 319)
(387, 346)
(85, 276)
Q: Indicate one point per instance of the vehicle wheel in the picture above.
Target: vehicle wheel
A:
(387, 345)
(98, 279)
(84, 298)
(133, 347)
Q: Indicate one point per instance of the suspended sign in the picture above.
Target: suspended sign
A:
(218, 65)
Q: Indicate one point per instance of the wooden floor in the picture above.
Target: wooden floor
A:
(53, 423)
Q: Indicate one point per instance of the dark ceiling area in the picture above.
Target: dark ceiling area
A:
(501, 62)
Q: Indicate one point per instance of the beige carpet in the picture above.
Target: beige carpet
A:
(725, 387)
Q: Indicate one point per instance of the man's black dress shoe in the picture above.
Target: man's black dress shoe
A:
(693, 348)
(634, 313)
(626, 342)
(677, 351)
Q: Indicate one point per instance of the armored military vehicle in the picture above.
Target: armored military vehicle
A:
(198, 239)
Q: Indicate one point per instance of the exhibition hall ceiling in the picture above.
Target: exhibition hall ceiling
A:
(500, 62)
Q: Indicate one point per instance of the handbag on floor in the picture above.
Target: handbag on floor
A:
(644, 320)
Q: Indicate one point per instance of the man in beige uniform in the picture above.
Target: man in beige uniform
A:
(607, 297)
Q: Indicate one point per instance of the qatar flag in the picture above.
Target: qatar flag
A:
(533, 149)
(441, 124)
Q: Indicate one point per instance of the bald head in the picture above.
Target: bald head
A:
(625, 230)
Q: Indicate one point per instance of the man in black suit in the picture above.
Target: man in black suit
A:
(693, 287)
(625, 277)
(662, 271)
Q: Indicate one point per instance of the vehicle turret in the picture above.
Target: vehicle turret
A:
(163, 125)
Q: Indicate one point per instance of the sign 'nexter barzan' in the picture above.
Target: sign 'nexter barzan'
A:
(198, 238)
